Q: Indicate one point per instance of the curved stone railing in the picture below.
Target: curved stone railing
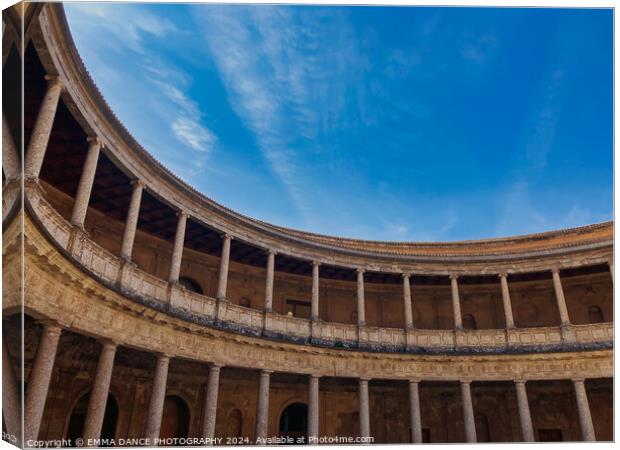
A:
(145, 288)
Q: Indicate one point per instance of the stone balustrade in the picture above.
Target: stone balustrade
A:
(113, 271)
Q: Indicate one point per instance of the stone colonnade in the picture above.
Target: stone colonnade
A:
(44, 362)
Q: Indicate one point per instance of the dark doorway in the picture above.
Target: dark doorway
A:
(294, 421)
(78, 418)
(175, 419)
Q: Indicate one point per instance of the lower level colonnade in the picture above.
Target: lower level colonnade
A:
(51, 379)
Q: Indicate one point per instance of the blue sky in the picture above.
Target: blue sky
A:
(390, 123)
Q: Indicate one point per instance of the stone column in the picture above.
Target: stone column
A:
(468, 412)
(210, 406)
(99, 393)
(262, 406)
(559, 296)
(611, 270)
(361, 310)
(407, 301)
(585, 419)
(10, 154)
(314, 306)
(271, 262)
(510, 323)
(11, 401)
(177, 249)
(224, 260)
(39, 382)
(527, 429)
(415, 415)
(131, 223)
(364, 405)
(456, 302)
(80, 205)
(156, 402)
(42, 129)
(313, 408)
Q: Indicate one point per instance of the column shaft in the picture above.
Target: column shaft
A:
(39, 382)
(210, 406)
(313, 408)
(37, 146)
(559, 296)
(456, 303)
(224, 260)
(510, 323)
(131, 222)
(262, 406)
(11, 398)
(361, 309)
(407, 302)
(468, 412)
(10, 154)
(314, 306)
(364, 405)
(416, 416)
(80, 206)
(177, 249)
(611, 270)
(99, 393)
(585, 418)
(156, 402)
(527, 429)
(271, 261)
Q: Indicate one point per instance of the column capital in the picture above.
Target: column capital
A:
(227, 236)
(94, 140)
(555, 269)
(503, 274)
(50, 326)
(578, 380)
(108, 344)
(215, 367)
(137, 182)
(360, 270)
(316, 263)
(164, 356)
(454, 276)
(270, 251)
(313, 375)
(466, 382)
(414, 381)
(182, 213)
(54, 80)
(520, 381)
(405, 274)
(266, 372)
(365, 379)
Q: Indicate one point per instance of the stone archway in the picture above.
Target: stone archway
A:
(294, 421)
(78, 418)
(175, 418)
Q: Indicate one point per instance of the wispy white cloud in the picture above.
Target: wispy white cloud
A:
(114, 19)
(542, 134)
(283, 70)
(477, 49)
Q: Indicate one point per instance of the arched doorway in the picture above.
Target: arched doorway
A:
(294, 421)
(175, 418)
(78, 417)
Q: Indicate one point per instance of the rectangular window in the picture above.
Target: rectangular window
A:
(298, 308)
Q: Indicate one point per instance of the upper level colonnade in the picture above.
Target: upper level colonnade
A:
(86, 174)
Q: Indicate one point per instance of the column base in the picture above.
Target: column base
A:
(568, 335)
